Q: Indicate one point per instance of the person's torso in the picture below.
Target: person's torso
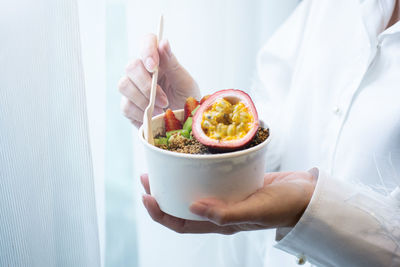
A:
(343, 108)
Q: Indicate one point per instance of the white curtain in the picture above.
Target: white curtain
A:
(48, 213)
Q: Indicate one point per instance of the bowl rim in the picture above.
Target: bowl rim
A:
(204, 156)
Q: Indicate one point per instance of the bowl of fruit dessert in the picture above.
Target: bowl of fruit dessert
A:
(212, 148)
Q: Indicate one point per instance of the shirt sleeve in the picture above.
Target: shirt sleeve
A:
(346, 224)
(275, 66)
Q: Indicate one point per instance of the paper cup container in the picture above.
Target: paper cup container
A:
(177, 180)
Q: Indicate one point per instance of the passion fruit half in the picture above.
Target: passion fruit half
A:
(226, 121)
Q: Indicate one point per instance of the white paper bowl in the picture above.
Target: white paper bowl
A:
(177, 179)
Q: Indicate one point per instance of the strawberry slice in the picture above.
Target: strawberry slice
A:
(190, 105)
(171, 122)
(204, 99)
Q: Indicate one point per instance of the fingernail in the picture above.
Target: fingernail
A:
(150, 64)
(168, 49)
(314, 172)
(142, 178)
(199, 208)
(162, 100)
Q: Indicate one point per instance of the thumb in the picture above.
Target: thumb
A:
(168, 60)
(221, 213)
(149, 53)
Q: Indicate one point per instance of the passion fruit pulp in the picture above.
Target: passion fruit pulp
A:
(226, 121)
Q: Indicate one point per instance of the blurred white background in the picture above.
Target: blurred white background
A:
(217, 41)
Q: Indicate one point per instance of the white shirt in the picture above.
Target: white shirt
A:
(330, 90)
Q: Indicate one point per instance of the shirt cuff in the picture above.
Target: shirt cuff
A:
(302, 239)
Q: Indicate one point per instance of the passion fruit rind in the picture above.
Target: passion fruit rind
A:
(226, 121)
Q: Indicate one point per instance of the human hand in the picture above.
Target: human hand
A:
(279, 203)
(174, 83)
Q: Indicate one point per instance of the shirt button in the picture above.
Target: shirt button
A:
(336, 110)
(301, 259)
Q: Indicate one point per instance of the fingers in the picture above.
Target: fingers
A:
(181, 225)
(165, 52)
(149, 52)
(136, 85)
(144, 179)
(159, 216)
(131, 111)
(275, 176)
(141, 85)
(280, 202)
(214, 210)
(153, 56)
(137, 124)
(223, 214)
(132, 93)
(174, 223)
(315, 173)
(168, 61)
(135, 113)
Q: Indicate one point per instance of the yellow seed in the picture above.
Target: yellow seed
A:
(225, 121)
(244, 116)
(235, 118)
(222, 129)
(217, 136)
(240, 127)
(231, 130)
(206, 124)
